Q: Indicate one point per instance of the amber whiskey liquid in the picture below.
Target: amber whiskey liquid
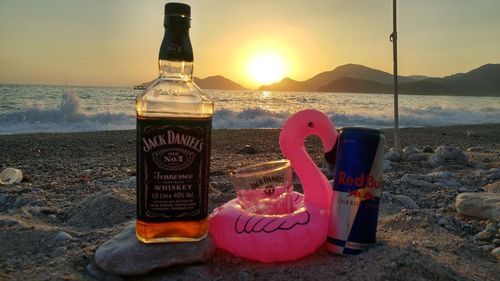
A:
(174, 119)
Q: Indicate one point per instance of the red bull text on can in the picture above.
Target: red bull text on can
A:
(356, 190)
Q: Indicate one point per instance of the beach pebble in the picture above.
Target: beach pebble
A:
(443, 222)
(100, 274)
(129, 183)
(247, 149)
(62, 236)
(393, 156)
(418, 156)
(104, 181)
(416, 183)
(9, 222)
(492, 187)
(447, 155)
(483, 205)
(409, 150)
(3, 198)
(48, 211)
(487, 247)
(493, 174)
(471, 133)
(387, 165)
(496, 253)
(480, 165)
(125, 255)
(464, 188)
(430, 180)
(404, 201)
(20, 201)
(475, 149)
(428, 149)
(60, 251)
(486, 234)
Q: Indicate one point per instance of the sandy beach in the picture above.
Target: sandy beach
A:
(78, 191)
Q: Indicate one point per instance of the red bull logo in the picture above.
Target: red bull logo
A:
(361, 181)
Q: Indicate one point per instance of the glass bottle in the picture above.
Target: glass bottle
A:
(174, 119)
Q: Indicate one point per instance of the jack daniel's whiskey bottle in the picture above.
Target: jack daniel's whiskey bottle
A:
(174, 119)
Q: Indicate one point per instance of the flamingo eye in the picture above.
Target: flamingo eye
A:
(310, 124)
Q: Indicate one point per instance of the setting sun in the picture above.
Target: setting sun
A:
(266, 68)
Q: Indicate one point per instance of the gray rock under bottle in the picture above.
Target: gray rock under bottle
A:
(125, 255)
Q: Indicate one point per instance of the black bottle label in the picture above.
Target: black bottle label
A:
(172, 169)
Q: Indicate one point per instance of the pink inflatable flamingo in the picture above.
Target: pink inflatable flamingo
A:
(275, 238)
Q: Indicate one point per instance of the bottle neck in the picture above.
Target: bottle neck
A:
(176, 53)
(182, 70)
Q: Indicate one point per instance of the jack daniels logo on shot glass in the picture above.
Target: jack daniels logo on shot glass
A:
(267, 183)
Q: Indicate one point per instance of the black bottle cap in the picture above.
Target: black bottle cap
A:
(179, 9)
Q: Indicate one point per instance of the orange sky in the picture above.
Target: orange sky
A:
(116, 42)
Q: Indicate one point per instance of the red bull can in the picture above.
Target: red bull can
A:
(357, 187)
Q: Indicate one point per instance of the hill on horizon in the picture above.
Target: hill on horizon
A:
(355, 78)
(218, 82)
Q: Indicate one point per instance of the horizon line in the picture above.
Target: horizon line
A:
(214, 75)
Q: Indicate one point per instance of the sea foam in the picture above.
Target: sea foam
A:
(84, 111)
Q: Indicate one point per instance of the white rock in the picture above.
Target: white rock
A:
(418, 183)
(496, 253)
(404, 201)
(393, 156)
(418, 156)
(483, 205)
(62, 236)
(436, 179)
(409, 150)
(447, 155)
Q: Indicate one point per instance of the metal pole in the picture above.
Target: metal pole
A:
(394, 40)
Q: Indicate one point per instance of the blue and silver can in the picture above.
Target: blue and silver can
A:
(357, 187)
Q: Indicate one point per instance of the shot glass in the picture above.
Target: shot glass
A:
(265, 188)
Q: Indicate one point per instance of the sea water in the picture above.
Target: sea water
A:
(42, 108)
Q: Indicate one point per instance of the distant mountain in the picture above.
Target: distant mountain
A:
(355, 71)
(418, 77)
(484, 79)
(352, 85)
(218, 82)
(353, 78)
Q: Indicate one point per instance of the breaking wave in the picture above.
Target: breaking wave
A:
(69, 114)
(68, 117)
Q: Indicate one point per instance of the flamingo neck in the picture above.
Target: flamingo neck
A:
(316, 187)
